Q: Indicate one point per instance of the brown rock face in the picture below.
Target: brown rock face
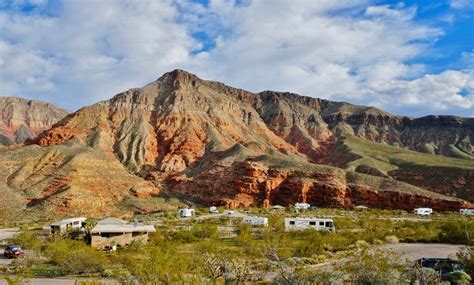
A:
(22, 119)
(213, 144)
(246, 184)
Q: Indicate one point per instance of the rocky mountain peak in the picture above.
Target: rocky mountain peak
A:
(179, 78)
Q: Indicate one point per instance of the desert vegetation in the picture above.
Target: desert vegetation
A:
(225, 251)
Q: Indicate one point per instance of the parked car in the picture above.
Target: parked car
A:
(13, 251)
(443, 266)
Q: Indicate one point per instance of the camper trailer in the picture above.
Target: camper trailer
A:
(302, 206)
(68, 224)
(213, 210)
(256, 221)
(423, 211)
(467, 212)
(292, 224)
(186, 213)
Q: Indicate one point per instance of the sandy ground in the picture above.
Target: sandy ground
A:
(415, 251)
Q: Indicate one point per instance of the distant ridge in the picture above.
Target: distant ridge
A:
(22, 119)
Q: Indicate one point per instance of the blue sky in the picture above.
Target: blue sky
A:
(407, 57)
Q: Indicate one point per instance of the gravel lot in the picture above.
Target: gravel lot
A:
(416, 251)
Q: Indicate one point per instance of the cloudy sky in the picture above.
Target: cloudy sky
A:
(409, 57)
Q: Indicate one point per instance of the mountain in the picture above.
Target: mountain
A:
(22, 119)
(211, 144)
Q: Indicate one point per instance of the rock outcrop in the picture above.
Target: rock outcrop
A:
(22, 119)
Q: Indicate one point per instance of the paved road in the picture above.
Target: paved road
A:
(8, 233)
(4, 261)
(414, 251)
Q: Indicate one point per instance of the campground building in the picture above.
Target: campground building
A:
(111, 231)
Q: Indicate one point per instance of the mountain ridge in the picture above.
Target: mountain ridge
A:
(213, 144)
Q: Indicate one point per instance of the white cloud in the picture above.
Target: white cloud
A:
(461, 4)
(433, 93)
(344, 50)
(91, 50)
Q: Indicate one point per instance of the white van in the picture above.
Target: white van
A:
(292, 224)
(423, 211)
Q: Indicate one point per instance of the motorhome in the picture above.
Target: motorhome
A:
(423, 211)
(292, 224)
(186, 213)
(68, 224)
(256, 221)
(302, 206)
(467, 212)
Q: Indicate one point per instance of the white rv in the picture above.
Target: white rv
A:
(213, 210)
(256, 221)
(186, 213)
(423, 211)
(292, 224)
(467, 212)
(68, 224)
(302, 206)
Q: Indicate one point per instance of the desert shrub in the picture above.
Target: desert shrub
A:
(466, 257)
(27, 239)
(415, 274)
(183, 235)
(246, 240)
(48, 270)
(310, 243)
(362, 244)
(75, 257)
(457, 277)
(204, 231)
(391, 239)
(152, 264)
(458, 232)
(373, 266)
